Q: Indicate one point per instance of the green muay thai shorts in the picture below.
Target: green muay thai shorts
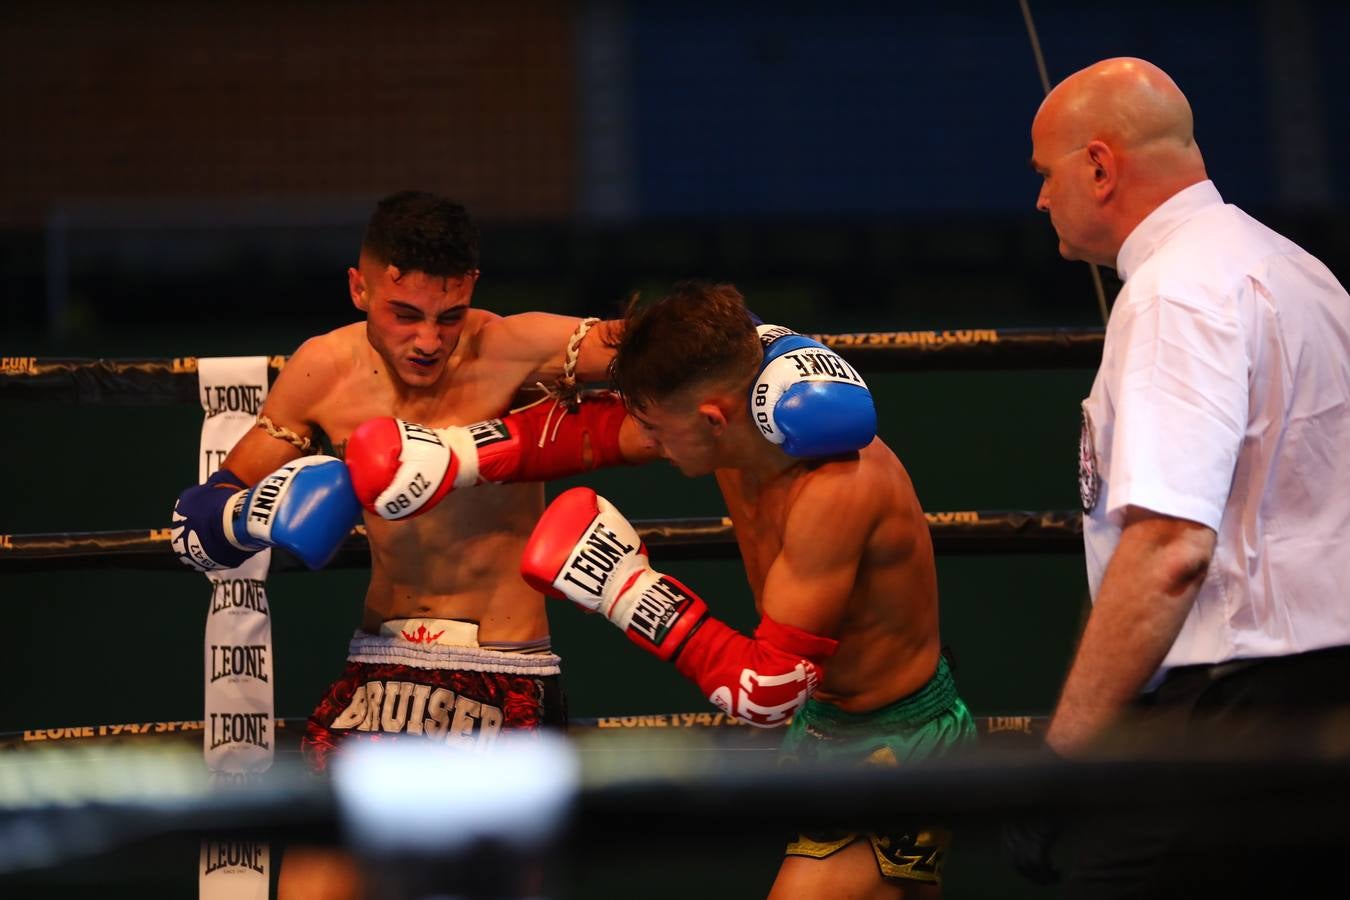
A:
(931, 722)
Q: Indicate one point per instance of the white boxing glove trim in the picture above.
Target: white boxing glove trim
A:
(625, 605)
(770, 333)
(776, 378)
(461, 443)
(227, 521)
(417, 457)
(268, 495)
(601, 563)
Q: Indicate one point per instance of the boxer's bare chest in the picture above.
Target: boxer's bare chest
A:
(473, 391)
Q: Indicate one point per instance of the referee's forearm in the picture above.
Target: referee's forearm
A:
(1146, 593)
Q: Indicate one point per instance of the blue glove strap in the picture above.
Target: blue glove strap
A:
(226, 478)
(198, 526)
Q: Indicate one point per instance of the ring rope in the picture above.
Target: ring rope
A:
(953, 533)
(174, 380)
(1012, 729)
(79, 803)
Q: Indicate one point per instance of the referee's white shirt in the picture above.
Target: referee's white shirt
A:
(1223, 397)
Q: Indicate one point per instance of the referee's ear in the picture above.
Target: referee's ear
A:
(1105, 170)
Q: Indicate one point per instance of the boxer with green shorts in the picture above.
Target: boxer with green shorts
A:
(931, 722)
(836, 549)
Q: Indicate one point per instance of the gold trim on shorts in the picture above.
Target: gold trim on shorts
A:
(899, 856)
(917, 859)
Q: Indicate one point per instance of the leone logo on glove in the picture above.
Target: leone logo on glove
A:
(826, 365)
(414, 432)
(791, 689)
(188, 545)
(596, 558)
(487, 433)
(770, 333)
(657, 609)
(808, 399)
(268, 493)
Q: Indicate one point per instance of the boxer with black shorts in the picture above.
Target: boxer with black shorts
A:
(452, 645)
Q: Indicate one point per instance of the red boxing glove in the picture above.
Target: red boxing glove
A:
(584, 550)
(761, 681)
(401, 469)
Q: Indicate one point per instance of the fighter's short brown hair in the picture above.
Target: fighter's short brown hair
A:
(698, 332)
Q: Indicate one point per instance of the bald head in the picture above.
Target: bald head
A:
(1112, 142)
(1128, 102)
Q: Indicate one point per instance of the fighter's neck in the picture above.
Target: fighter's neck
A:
(758, 460)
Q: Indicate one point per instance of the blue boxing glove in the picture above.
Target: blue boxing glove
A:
(807, 399)
(306, 507)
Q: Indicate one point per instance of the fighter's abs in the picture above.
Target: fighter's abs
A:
(460, 560)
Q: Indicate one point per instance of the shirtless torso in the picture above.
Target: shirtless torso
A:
(886, 621)
(838, 556)
(457, 561)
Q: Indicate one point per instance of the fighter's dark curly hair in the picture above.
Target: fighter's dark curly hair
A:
(421, 232)
(699, 331)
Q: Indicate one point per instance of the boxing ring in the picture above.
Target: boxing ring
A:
(75, 791)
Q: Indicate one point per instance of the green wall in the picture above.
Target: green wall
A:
(106, 646)
(95, 647)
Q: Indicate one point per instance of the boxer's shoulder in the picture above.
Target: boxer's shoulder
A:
(883, 477)
(308, 374)
(330, 354)
(844, 489)
(316, 375)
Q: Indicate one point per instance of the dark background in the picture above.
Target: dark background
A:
(189, 178)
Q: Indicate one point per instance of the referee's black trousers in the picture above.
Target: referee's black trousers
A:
(1276, 845)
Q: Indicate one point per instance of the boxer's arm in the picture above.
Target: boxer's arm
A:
(765, 679)
(257, 453)
(303, 381)
(401, 469)
(203, 534)
(538, 342)
(809, 583)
